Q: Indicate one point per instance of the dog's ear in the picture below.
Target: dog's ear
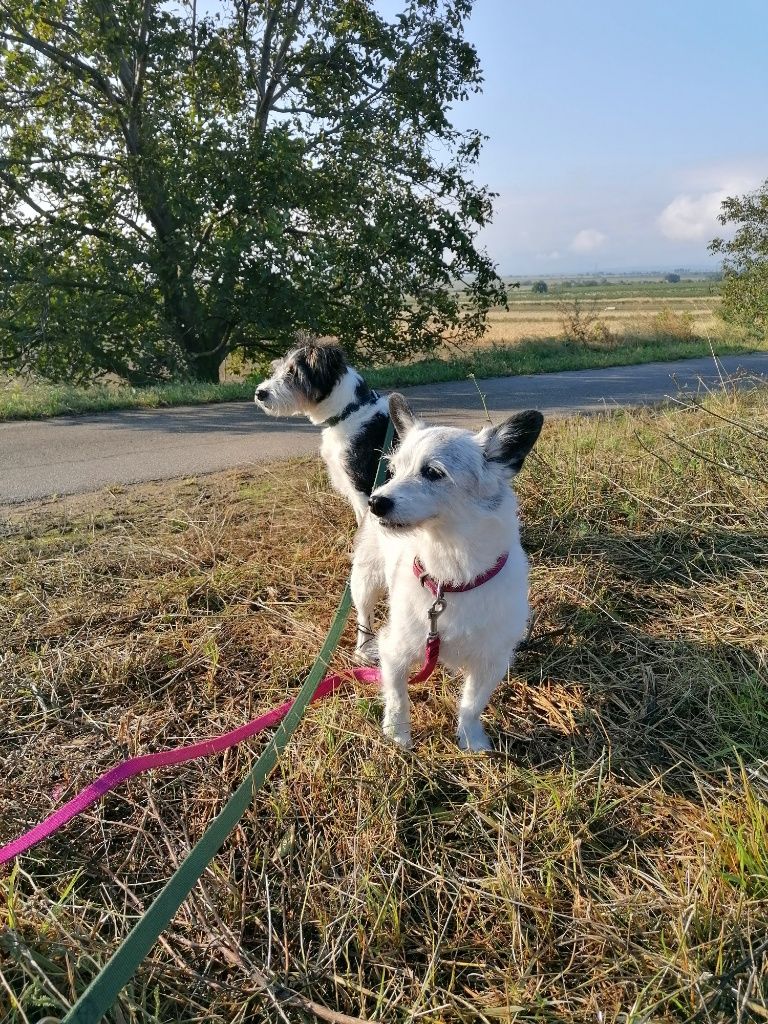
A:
(401, 413)
(319, 368)
(325, 359)
(512, 440)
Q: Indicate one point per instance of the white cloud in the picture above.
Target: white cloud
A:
(688, 218)
(693, 216)
(588, 240)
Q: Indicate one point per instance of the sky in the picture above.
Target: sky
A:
(617, 128)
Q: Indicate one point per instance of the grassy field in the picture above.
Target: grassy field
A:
(636, 314)
(618, 288)
(23, 401)
(609, 864)
(651, 322)
(530, 338)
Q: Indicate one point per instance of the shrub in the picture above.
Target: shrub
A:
(583, 325)
(674, 325)
(745, 283)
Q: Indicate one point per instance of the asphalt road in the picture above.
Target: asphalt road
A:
(74, 454)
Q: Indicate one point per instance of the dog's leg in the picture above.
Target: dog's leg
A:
(478, 689)
(359, 502)
(367, 585)
(394, 689)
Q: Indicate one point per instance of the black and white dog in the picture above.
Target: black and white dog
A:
(315, 380)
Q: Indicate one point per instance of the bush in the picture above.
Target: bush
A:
(674, 325)
(540, 287)
(583, 325)
(745, 267)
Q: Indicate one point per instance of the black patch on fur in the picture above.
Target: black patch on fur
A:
(512, 440)
(319, 369)
(363, 393)
(362, 455)
(363, 396)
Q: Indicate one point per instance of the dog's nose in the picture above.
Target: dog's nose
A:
(262, 393)
(380, 505)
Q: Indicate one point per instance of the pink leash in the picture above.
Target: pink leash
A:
(136, 765)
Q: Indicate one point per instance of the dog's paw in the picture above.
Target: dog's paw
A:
(368, 651)
(474, 738)
(398, 730)
(400, 737)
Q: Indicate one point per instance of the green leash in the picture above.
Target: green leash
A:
(102, 992)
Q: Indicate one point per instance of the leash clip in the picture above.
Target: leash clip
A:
(436, 611)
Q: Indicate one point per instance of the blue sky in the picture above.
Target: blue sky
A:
(616, 128)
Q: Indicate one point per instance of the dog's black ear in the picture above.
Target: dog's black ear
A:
(512, 440)
(326, 360)
(320, 367)
(401, 413)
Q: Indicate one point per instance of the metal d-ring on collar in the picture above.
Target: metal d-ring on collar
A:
(439, 587)
(435, 611)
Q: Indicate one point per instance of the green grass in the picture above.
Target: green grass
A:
(22, 401)
(635, 290)
(547, 356)
(35, 401)
(607, 864)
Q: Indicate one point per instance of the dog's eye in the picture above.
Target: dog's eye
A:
(432, 473)
(390, 471)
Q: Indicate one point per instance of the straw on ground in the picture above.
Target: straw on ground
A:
(608, 864)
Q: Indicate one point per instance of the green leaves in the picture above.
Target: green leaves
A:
(173, 190)
(745, 287)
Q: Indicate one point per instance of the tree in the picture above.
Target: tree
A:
(672, 278)
(173, 187)
(745, 267)
(539, 287)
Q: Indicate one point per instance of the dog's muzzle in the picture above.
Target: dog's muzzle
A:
(380, 504)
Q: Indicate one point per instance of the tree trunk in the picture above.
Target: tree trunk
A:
(205, 368)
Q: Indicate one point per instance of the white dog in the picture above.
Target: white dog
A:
(315, 380)
(447, 515)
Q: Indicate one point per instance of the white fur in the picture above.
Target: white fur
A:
(286, 400)
(458, 526)
(334, 441)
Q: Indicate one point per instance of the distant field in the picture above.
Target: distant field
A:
(622, 290)
(529, 337)
(540, 316)
(640, 323)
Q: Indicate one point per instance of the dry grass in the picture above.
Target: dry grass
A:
(626, 318)
(610, 865)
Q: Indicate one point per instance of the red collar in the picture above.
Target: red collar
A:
(439, 587)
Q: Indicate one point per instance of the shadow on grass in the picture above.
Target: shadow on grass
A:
(656, 664)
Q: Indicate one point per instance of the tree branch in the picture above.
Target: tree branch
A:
(62, 59)
(66, 285)
(80, 229)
